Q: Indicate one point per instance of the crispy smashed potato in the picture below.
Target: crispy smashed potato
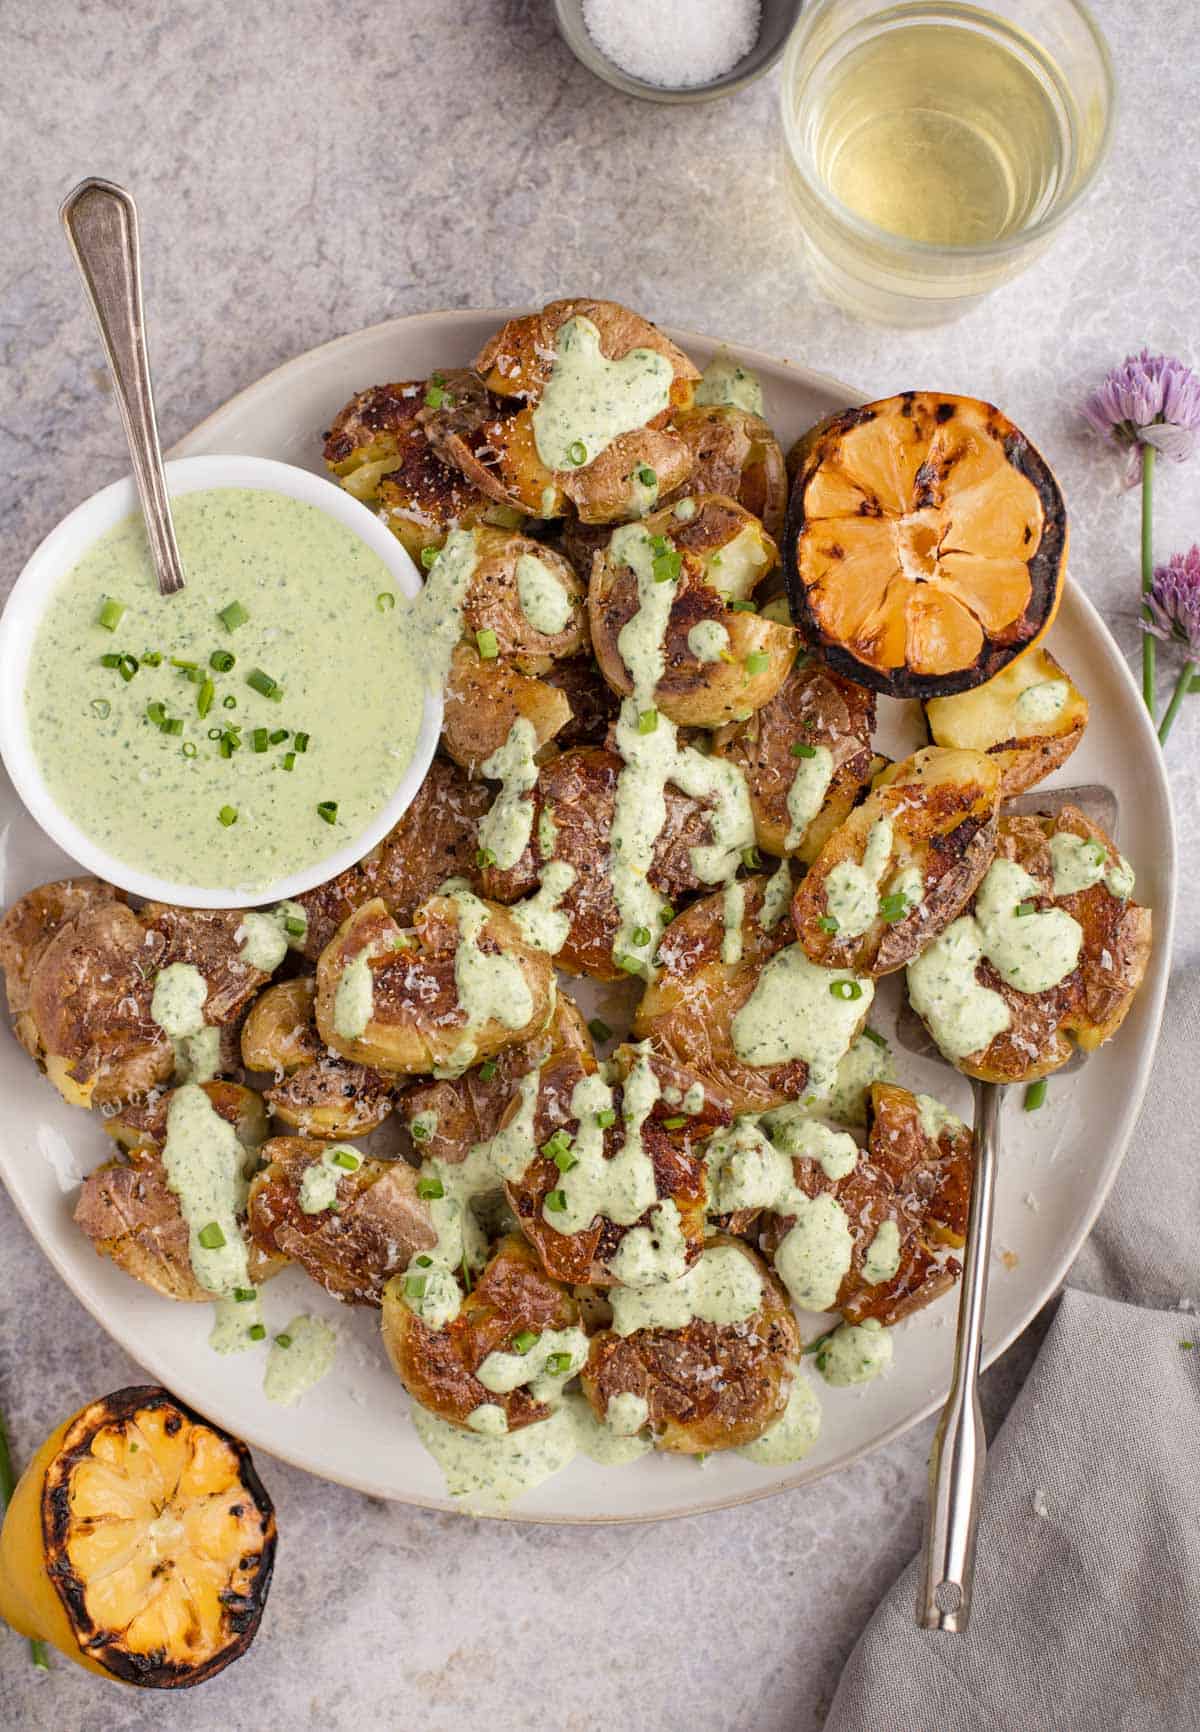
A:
(594, 704)
(512, 1299)
(405, 984)
(913, 1181)
(141, 1127)
(871, 907)
(133, 1218)
(372, 1225)
(316, 1093)
(1030, 718)
(587, 1255)
(707, 1386)
(483, 700)
(32, 921)
(490, 433)
(207, 938)
(575, 793)
(510, 570)
(719, 664)
(734, 452)
(436, 839)
(813, 708)
(1089, 1005)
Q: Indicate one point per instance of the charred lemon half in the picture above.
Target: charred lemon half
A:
(140, 1542)
(926, 543)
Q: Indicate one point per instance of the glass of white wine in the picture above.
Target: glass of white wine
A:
(934, 148)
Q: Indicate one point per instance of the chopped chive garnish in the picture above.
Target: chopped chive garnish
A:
(564, 1160)
(327, 809)
(185, 667)
(227, 745)
(188, 749)
(151, 659)
(556, 1144)
(220, 661)
(647, 721)
(743, 607)
(556, 1202)
(599, 1030)
(233, 616)
(486, 644)
(277, 736)
(659, 544)
(347, 1160)
(156, 713)
(484, 857)
(295, 926)
(1024, 908)
(385, 601)
(524, 1340)
(419, 1131)
(630, 964)
(577, 453)
(893, 908)
(211, 1237)
(676, 1123)
(110, 659)
(258, 1331)
(301, 742)
(289, 760)
(262, 682)
(127, 666)
(215, 733)
(437, 398)
(558, 1364)
(101, 707)
(173, 725)
(423, 1262)
(1035, 1096)
(414, 1286)
(605, 1117)
(112, 612)
(647, 476)
(667, 566)
(758, 661)
(245, 1295)
(751, 859)
(204, 697)
(802, 750)
(874, 1035)
(283, 1339)
(488, 1070)
(228, 814)
(666, 914)
(430, 1189)
(428, 555)
(230, 702)
(640, 936)
(259, 739)
(845, 989)
(827, 923)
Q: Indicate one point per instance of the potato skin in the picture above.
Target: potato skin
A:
(813, 707)
(279, 1033)
(1089, 1006)
(985, 720)
(577, 791)
(482, 701)
(687, 1012)
(943, 807)
(316, 1093)
(691, 692)
(585, 1257)
(436, 839)
(919, 1182)
(33, 920)
(734, 452)
(133, 1218)
(417, 1021)
(707, 1386)
(493, 602)
(437, 1367)
(379, 1223)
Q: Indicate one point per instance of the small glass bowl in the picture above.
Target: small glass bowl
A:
(778, 18)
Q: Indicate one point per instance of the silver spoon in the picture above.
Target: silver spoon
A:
(959, 1451)
(102, 228)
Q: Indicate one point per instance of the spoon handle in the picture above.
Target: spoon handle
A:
(956, 1461)
(102, 228)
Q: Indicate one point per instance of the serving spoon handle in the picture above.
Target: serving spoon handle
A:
(102, 229)
(956, 1461)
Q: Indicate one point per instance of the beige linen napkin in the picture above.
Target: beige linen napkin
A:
(1086, 1613)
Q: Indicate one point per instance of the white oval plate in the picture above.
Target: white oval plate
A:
(1056, 1165)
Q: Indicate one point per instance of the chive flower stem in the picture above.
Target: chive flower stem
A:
(1149, 647)
(1182, 686)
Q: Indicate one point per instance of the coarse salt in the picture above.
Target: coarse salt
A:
(674, 43)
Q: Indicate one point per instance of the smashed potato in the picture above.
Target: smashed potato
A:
(720, 663)
(349, 1236)
(529, 597)
(734, 452)
(141, 1127)
(814, 710)
(30, 924)
(483, 700)
(133, 1218)
(704, 1386)
(456, 987)
(1030, 718)
(903, 865)
(316, 1093)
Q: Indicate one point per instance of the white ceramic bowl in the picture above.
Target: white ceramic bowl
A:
(57, 556)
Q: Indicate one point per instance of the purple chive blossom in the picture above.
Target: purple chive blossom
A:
(1173, 602)
(1147, 400)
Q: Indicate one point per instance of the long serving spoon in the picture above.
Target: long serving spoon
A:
(102, 228)
(959, 1451)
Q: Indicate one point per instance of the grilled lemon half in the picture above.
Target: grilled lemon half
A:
(926, 542)
(140, 1542)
